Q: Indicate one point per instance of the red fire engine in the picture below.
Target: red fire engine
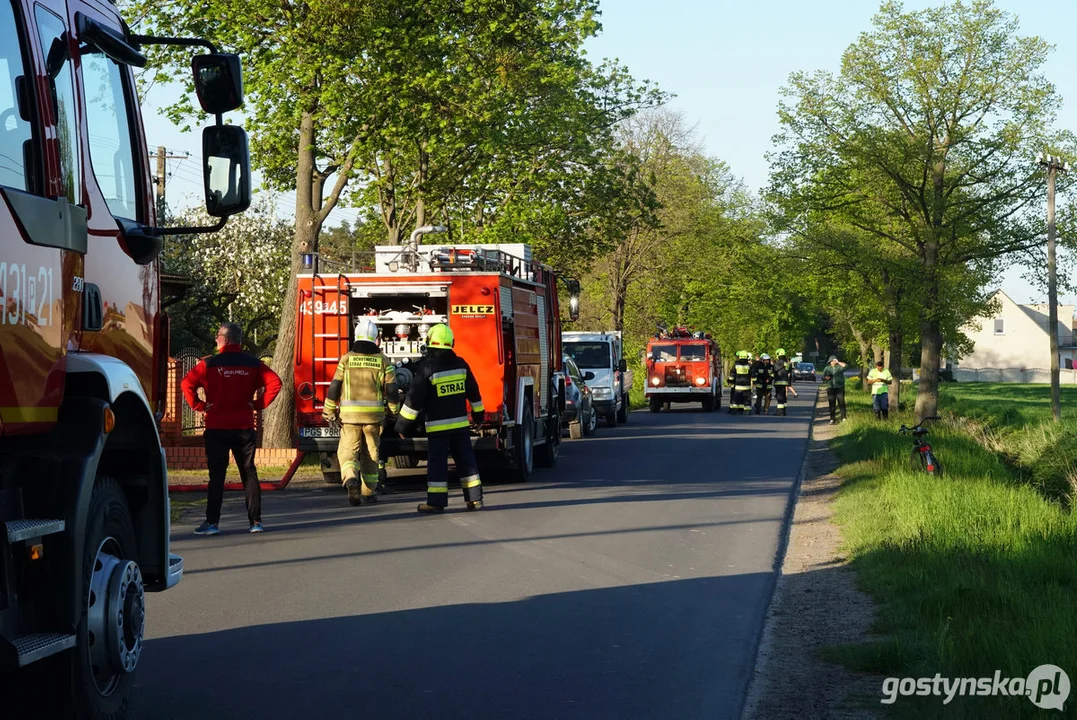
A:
(503, 309)
(683, 366)
(84, 510)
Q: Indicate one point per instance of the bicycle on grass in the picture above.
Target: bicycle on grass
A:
(921, 454)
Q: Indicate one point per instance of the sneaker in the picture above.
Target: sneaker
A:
(477, 505)
(257, 528)
(833, 422)
(207, 529)
(428, 509)
(355, 497)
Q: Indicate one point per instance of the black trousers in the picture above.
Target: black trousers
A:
(836, 396)
(780, 397)
(458, 444)
(241, 443)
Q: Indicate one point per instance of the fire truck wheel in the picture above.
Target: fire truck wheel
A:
(622, 414)
(551, 450)
(523, 452)
(575, 430)
(405, 462)
(330, 469)
(655, 404)
(708, 404)
(113, 616)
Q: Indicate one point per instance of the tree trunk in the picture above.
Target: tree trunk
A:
(420, 203)
(896, 341)
(865, 349)
(927, 393)
(619, 297)
(279, 419)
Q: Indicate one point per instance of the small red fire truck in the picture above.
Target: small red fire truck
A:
(683, 366)
(504, 312)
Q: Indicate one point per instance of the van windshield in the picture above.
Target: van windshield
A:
(589, 355)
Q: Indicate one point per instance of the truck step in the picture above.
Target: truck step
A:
(37, 646)
(20, 530)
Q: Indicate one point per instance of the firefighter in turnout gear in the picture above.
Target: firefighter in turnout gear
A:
(740, 379)
(443, 386)
(760, 382)
(783, 380)
(364, 383)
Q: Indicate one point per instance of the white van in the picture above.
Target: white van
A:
(602, 353)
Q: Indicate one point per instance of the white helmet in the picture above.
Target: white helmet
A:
(366, 330)
(764, 356)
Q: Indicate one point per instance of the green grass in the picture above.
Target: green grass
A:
(973, 572)
(178, 507)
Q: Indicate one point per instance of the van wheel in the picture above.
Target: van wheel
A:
(622, 414)
(113, 615)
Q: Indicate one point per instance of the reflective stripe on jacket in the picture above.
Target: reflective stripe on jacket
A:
(443, 386)
(361, 386)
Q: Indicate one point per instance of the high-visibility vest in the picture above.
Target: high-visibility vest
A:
(362, 379)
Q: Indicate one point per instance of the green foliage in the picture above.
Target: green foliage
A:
(972, 573)
(918, 144)
(239, 275)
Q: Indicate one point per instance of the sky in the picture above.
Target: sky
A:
(725, 62)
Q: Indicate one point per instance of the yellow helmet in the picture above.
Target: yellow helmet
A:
(440, 337)
(780, 352)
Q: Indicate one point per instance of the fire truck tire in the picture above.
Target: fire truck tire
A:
(575, 430)
(110, 632)
(548, 453)
(330, 469)
(405, 462)
(523, 451)
(655, 404)
(708, 404)
(622, 414)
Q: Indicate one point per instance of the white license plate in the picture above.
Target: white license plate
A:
(314, 432)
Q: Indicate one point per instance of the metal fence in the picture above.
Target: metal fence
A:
(1067, 376)
(191, 422)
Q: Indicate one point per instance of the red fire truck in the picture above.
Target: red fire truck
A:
(683, 366)
(84, 510)
(504, 312)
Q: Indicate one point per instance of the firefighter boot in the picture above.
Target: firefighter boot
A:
(428, 509)
(476, 505)
(355, 497)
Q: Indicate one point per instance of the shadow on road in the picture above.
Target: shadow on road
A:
(663, 650)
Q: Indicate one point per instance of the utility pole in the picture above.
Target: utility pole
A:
(1054, 165)
(162, 156)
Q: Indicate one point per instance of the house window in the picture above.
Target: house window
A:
(1000, 326)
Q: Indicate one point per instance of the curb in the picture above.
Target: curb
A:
(779, 560)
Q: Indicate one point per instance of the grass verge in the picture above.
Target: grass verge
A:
(178, 507)
(974, 572)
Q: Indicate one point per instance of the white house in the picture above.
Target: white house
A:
(1016, 337)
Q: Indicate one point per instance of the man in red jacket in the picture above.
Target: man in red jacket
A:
(231, 380)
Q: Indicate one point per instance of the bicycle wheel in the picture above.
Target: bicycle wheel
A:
(932, 465)
(917, 463)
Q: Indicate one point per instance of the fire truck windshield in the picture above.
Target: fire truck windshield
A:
(693, 353)
(589, 355)
(111, 141)
(664, 353)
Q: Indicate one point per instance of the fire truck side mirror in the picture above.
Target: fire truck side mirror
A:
(218, 82)
(226, 170)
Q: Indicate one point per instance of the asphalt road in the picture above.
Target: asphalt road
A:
(630, 581)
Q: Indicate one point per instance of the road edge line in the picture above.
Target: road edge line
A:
(749, 698)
